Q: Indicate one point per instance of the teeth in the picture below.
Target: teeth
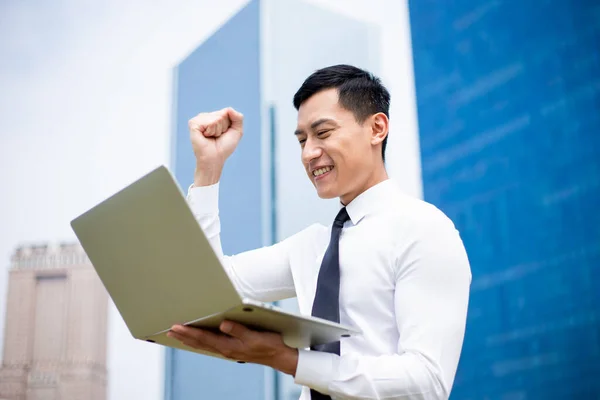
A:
(321, 171)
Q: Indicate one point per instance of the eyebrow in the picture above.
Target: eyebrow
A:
(314, 125)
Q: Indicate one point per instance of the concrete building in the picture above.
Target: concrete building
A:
(56, 327)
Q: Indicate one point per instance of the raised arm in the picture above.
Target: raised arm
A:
(263, 274)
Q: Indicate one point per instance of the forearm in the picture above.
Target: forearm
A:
(286, 361)
(407, 376)
(204, 202)
(207, 175)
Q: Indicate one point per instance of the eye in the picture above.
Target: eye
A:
(321, 133)
(301, 141)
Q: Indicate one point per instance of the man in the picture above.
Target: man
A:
(390, 265)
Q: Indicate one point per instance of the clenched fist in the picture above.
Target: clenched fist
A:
(214, 137)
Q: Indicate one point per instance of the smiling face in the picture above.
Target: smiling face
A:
(341, 156)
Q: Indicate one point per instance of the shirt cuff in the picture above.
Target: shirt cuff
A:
(204, 199)
(316, 369)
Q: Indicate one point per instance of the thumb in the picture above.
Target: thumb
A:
(236, 118)
(235, 330)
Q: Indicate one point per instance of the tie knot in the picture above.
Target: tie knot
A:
(341, 217)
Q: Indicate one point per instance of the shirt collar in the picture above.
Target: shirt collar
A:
(369, 200)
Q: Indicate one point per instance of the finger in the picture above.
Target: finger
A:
(236, 118)
(227, 346)
(202, 336)
(196, 127)
(236, 330)
(189, 334)
(187, 331)
(210, 130)
(223, 125)
(223, 122)
(234, 115)
(199, 346)
(186, 340)
(217, 129)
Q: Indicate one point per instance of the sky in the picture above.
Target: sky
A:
(85, 91)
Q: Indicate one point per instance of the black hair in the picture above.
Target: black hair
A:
(359, 91)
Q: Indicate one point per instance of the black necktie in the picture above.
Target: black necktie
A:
(327, 298)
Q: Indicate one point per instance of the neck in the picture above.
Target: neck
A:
(377, 176)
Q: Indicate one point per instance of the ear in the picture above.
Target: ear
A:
(379, 128)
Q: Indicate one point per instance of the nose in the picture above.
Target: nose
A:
(310, 151)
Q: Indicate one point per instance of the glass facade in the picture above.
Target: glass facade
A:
(508, 99)
(206, 82)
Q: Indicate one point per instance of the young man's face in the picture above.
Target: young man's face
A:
(337, 151)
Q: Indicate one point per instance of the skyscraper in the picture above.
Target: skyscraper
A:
(508, 96)
(56, 327)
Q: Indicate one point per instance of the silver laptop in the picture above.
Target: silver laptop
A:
(159, 269)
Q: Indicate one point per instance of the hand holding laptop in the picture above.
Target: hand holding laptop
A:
(240, 343)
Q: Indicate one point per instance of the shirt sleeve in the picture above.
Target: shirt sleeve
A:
(433, 277)
(262, 274)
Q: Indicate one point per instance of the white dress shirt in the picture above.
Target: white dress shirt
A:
(404, 282)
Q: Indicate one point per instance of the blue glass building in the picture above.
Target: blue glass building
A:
(508, 99)
(200, 85)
